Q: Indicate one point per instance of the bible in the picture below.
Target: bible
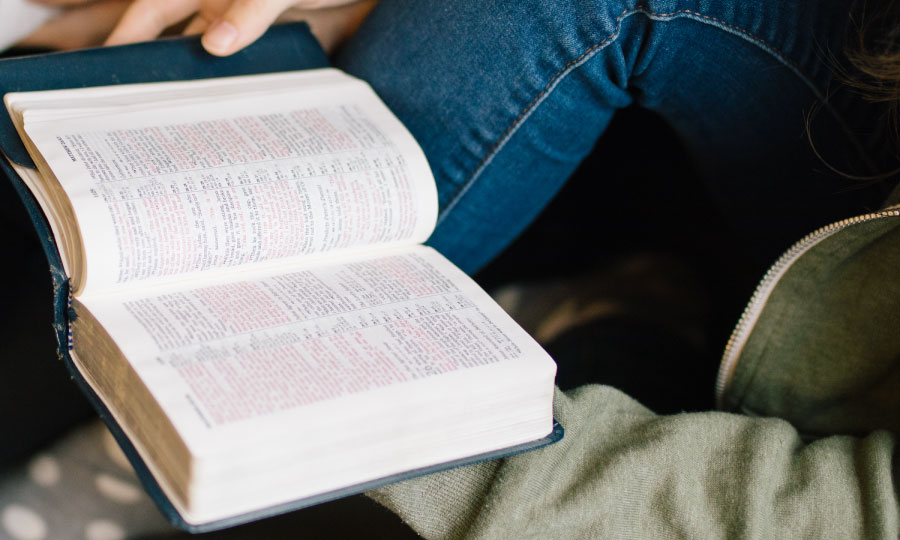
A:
(251, 302)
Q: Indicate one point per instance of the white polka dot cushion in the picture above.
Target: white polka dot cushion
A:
(80, 488)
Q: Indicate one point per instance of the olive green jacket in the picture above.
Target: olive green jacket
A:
(813, 372)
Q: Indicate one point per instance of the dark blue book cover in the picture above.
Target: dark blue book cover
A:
(284, 48)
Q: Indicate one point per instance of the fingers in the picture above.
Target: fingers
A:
(78, 27)
(62, 3)
(147, 19)
(228, 25)
(198, 25)
(241, 24)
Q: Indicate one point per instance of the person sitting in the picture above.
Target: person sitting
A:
(506, 99)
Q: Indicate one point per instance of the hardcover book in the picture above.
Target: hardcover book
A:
(241, 285)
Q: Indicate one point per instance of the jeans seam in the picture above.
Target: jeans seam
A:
(589, 53)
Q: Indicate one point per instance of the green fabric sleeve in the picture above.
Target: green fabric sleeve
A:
(623, 472)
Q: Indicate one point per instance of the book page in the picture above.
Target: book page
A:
(216, 355)
(182, 187)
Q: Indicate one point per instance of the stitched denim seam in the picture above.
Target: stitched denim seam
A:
(589, 53)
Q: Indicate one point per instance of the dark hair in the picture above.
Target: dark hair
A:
(872, 69)
(873, 49)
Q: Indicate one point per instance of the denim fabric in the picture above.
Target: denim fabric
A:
(506, 98)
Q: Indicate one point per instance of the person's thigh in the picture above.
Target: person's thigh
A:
(506, 98)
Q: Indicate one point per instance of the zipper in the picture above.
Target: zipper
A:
(750, 316)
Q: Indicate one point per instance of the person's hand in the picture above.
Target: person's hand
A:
(331, 25)
(227, 25)
(78, 26)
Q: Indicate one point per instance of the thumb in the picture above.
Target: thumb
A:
(242, 24)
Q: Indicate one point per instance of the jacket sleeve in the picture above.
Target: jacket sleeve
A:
(623, 472)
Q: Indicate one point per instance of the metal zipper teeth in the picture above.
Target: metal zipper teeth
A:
(754, 308)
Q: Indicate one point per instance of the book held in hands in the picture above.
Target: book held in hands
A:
(252, 300)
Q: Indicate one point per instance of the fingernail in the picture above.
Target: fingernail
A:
(220, 36)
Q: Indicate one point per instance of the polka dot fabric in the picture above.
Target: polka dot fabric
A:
(81, 488)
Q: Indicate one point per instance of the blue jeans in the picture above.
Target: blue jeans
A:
(506, 98)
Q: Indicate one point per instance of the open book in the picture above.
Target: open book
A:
(251, 298)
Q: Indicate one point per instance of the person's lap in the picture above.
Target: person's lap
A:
(507, 98)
